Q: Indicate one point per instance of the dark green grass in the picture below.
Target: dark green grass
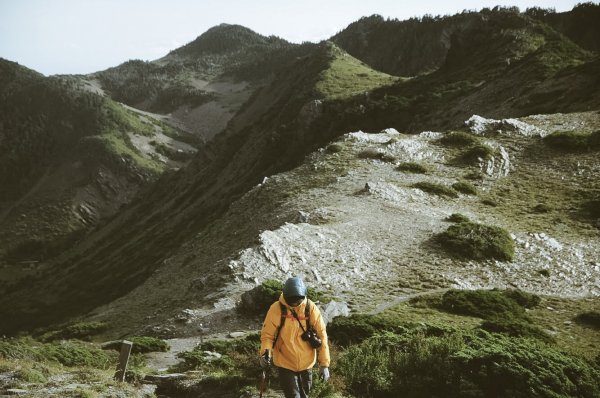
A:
(458, 139)
(477, 241)
(412, 167)
(436, 189)
(465, 187)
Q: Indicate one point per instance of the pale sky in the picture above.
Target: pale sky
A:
(84, 36)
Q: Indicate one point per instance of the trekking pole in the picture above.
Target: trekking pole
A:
(265, 374)
(263, 383)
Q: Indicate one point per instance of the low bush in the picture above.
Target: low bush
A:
(199, 360)
(345, 331)
(464, 364)
(259, 299)
(143, 344)
(568, 140)
(371, 153)
(356, 328)
(541, 208)
(475, 154)
(68, 353)
(80, 330)
(474, 176)
(236, 354)
(594, 140)
(30, 375)
(592, 208)
(464, 187)
(248, 345)
(412, 167)
(457, 218)
(489, 202)
(436, 189)
(458, 139)
(477, 241)
(334, 148)
(485, 304)
(591, 318)
(524, 299)
(516, 328)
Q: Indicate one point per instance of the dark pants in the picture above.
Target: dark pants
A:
(295, 384)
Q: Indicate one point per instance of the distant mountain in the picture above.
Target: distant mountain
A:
(501, 63)
(580, 24)
(227, 39)
(401, 48)
(68, 160)
(415, 46)
(202, 84)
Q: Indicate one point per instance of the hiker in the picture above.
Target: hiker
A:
(291, 335)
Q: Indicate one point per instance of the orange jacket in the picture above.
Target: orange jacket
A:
(291, 352)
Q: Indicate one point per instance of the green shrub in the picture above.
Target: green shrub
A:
(248, 345)
(80, 330)
(412, 167)
(489, 202)
(544, 272)
(468, 364)
(334, 148)
(436, 189)
(458, 139)
(592, 208)
(75, 354)
(68, 353)
(591, 318)
(474, 175)
(475, 153)
(144, 344)
(541, 208)
(594, 140)
(370, 153)
(345, 331)
(269, 291)
(568, 140)
(81, 393)
(356, 328)
(29, 375)
(477, 241)
(486, 304)
(464, 187)
(200, 360)
(236, 354)
(524, 299)
(457, 218)
(516, 328)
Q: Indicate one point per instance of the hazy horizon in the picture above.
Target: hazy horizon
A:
(85, 36)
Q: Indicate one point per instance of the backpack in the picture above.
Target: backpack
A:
(284, 315)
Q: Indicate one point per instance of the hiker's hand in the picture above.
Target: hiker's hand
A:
(265, 360)
(324, 374)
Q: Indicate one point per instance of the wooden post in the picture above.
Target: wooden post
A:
(123, 360)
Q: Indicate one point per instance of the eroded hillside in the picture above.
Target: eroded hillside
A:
(355, 226)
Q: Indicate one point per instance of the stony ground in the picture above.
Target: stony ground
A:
(355, 227)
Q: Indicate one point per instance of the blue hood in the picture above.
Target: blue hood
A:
(294, 287)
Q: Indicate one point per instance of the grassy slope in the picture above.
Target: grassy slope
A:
(505, 64)
(68, 147)
(346, 77)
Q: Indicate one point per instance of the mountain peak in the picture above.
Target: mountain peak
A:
(226, 38)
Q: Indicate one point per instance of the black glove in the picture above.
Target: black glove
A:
(265, 359)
